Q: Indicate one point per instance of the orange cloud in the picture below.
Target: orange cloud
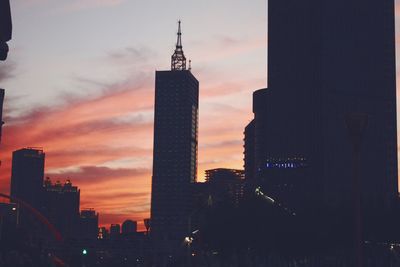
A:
(87, 135)
(104, 144)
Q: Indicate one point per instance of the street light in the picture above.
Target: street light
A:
(188, 240)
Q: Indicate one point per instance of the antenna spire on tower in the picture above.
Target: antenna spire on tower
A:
(178, 59)
(179, 37)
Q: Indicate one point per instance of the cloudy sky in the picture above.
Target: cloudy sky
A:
(80, 83)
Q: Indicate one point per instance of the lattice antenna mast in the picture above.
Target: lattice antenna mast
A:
(178, 59)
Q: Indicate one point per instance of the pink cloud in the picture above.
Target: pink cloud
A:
(103, 143)
(85, 133)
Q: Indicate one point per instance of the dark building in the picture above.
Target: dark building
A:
(250, 170)
(285, 180)
(278, 163)
(225, 185)
(200, 195)
(360, 78)
(89, 224)
(327, 60)
(115, 231)
(175, 147)
(221, 175)
(61, 206)
(2, 93)
(27, 176)
(249, 151)
(129, 227)
(27, 185)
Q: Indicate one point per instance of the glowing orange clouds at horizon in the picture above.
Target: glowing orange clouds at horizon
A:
(87, 141)
(103, 144)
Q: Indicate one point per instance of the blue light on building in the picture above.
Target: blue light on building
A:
(285, 164)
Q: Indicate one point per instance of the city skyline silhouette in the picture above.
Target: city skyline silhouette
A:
(208, 148)
(121, 109)
(222, 157)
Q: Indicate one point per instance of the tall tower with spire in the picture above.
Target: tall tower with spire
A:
(175, 148)
(178, 59)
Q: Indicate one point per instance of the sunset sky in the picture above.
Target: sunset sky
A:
(80, 83)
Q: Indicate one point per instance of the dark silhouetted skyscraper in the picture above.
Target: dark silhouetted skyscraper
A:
(115, 231)
(27, 176)
(175, 147)
(27, 185)
(326, 60)
(61, 206)
(89, 224)
(359, 76)
(129, 227)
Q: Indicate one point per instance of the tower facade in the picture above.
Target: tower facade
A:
(249, 153)
(27, 176)
(327, 60)
(27, 185)
(175, 148)
(359, 76)
(89, 224)
(61, 206)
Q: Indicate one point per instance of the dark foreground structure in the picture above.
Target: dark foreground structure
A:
(327, 60)
(321, 152)
(5, 28)
(320, 185)
(322, 146)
